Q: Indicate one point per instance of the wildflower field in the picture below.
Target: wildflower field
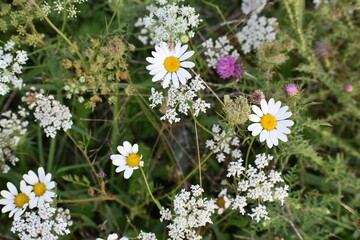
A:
(180, 119)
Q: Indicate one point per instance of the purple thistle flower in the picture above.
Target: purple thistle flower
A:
(349, 88)
(227, 67)
(291, 89)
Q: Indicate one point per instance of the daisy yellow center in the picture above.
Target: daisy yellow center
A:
(21, 199)
(39, 189)
(268, 122)
(172, 64)
(133, 160)
(221, 202)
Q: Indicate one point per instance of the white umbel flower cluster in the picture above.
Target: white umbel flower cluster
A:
(190, 212)
(217, 50)
(13, 128)
(69, 7)
(52, 115)
(252, 6)
(48, 223)
(257, 185)
(167, 21)
(11, 65)
(256, 31)
(146, 236)
(228, 147)
(181, 100)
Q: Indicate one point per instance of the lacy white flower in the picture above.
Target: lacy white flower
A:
(48, 223)
(252, 6)
(113, 236)
(256, 31)
(15, 202)
(270, 122)
(128, 160)
(181, 100)
(257, 185)
(11, 65)
(41, 185)
(228, 147)
(168, 64)
(217, 50)
(190, 211)
(51, 114)
(223, 201)
(146, 236)
(12, 133)
(167, 22)
(68, 6)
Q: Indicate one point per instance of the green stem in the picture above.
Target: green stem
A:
(248, 153)
(51, 155)
(75, 48)
(40, 146)
(197, 149)
(148, 188)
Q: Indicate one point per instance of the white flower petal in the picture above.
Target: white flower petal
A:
(282, 136)
(273, 137)
(257, 110)
(283, 129)
(117, 156)
(50, 185)
(8, 195)
(166, 81)
(183, 72)
(41, 173)
(254, 118)
(271, 105)
(276, 107)
(257, 130)
(269, 143)
(283, 116)
(253, 126)
(181, 51)
(8, 208)
(175, 80)
(119, 162)
(128, 172)
(159, 75)
(122, 151)
(285, 123)
(187, 64)
(282, 110)
(6, 201)
(186, 55)
(264, 106)
(135, 148)
(264, 135)
(12, 188)
(121, 168)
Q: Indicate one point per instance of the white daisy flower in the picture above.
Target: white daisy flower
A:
(223, 201)
(15, 202)
(168, 64)
(41, 185)
(128, 160)
(270, 122)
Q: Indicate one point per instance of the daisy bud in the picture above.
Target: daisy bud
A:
(184, 38)
(227, 67)
(291, 89)
(256, 97)
(349, 88)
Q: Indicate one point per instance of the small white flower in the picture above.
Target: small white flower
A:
(16, 202)
(270, 122)
(168, 64)
(223, 201)
(252, 6)
(128, 160)
(41, 185)
(259, 212)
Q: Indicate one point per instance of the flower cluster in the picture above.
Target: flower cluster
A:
(113, 236)
(257, 185)
(181, 100)
(252, 6)
(190, 212)
(36, 193)
(166, 22)
(47, 223)
(51, 114)
(229, 67)
(217, 50)
(224, 143)
(146, 236)
(68, 7)
(11, 65)
(12, 130)
(256, 31)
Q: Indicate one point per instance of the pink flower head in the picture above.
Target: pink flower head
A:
(291, 89)
(227, 67)
(349, 88)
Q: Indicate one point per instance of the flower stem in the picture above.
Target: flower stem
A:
(148, 188)
(248, 153)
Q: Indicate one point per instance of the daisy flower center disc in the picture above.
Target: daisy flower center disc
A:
(268, 122)
(21, 199)
(221, 202)
(39, 189)
(172, 64)
(133, 160)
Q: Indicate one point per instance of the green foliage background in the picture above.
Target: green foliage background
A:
(317, 49)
